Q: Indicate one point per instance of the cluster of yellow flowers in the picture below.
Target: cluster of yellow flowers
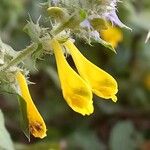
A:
(76, 87)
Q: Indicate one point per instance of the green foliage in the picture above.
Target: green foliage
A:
(5, 139)
(120, 126)
(84, 140)
(38, 146)
(124, 137)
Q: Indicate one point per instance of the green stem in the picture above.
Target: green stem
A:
(21, 56)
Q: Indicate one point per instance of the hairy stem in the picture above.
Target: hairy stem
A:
(21, 56)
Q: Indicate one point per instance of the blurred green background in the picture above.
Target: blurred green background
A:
(121, 126)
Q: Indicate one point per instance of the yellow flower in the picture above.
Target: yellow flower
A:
(102, 84)
(112, 35)
(76, 91)
(37, 126)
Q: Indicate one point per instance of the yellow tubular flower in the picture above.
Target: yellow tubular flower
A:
(103, 84)
(37, 126)
(76, 91)
(112, 35)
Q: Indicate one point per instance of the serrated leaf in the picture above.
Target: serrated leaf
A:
(24, 122)
(5, 139)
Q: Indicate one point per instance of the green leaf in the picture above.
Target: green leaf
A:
(84, 140)
(5, 139)
(39, 146)
(124, 137)
(24, 122)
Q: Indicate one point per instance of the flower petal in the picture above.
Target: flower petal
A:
(36, 123)
(112, 35)
(76, 91)
(103, 84)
